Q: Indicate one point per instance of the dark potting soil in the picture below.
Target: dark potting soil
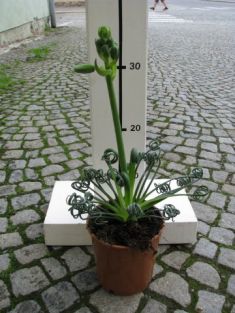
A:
(132, 234)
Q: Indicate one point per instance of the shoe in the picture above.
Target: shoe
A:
(165, 9)
(152, 8)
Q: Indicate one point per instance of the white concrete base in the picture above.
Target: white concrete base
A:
(60, 228)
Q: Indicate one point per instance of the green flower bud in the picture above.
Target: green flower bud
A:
(114, 53)
(134, 157)
(104, 32)
(99, 44)
(84, 68)
(104, 52)
(110, 42)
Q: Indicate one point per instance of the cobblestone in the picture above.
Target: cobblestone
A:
(2, 176)
(231, 205)
(76, 259)
(220, 176)
(3, 206)
(46, 136)
(227, 221)
(229, 189)
(186, 150)
(52, 169)
(33, 144)
(4, 296)
(16, 176)
(24, 201)
(205, 274)
(203, 228)
(28, 280)
(227, 257)
(211, 155)
(52, 150)
(25, 217)
(31, 174)
(157, 269)
(107, 302)
(209, 164)
(154, 306)
(172, 156)
(27, 307)
(210, 302)
(73, 164)
(175, 259)
(71, 175)
(30, 253)
(57, 158)
(205, 212)
(209, 146)
(13, 154)
(217, 200)
(3, 224)
(231, 285)
(54, 268)
(205, 248)
(86, 280)
(34, 231)
(60, 297)
(30, 186)
(221, 235)
(226, 148)
(10, 240)
(38, 162)
(4, 262)
(174, 287)
(7, 190)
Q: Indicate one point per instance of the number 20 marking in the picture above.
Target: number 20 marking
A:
(135, 128)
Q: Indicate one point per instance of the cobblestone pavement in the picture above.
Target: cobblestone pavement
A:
(45, 135)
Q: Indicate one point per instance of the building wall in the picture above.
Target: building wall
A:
(20, 19)
(70, 2)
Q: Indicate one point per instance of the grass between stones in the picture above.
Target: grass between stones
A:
(39, 53)
(36, 296)
(7, 81)
(195, 286)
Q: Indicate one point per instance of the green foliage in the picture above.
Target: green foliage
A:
(48, 28)
(6, 80)
(39, 53)
(120, 194)
(84, 68)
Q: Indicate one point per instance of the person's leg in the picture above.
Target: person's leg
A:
(164, 3)
(154, 5)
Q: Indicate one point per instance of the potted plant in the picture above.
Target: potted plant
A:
(121, 207)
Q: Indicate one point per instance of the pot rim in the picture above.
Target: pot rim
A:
(122, 247)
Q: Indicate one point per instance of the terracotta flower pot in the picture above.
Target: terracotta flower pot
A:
(123, 270)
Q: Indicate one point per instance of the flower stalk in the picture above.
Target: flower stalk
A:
(127, 199)
(117, 124)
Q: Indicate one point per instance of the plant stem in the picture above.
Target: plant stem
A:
(117, 125)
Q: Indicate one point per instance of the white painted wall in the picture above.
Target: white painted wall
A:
(14, 13)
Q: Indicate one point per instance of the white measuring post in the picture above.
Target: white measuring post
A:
(128, 22)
